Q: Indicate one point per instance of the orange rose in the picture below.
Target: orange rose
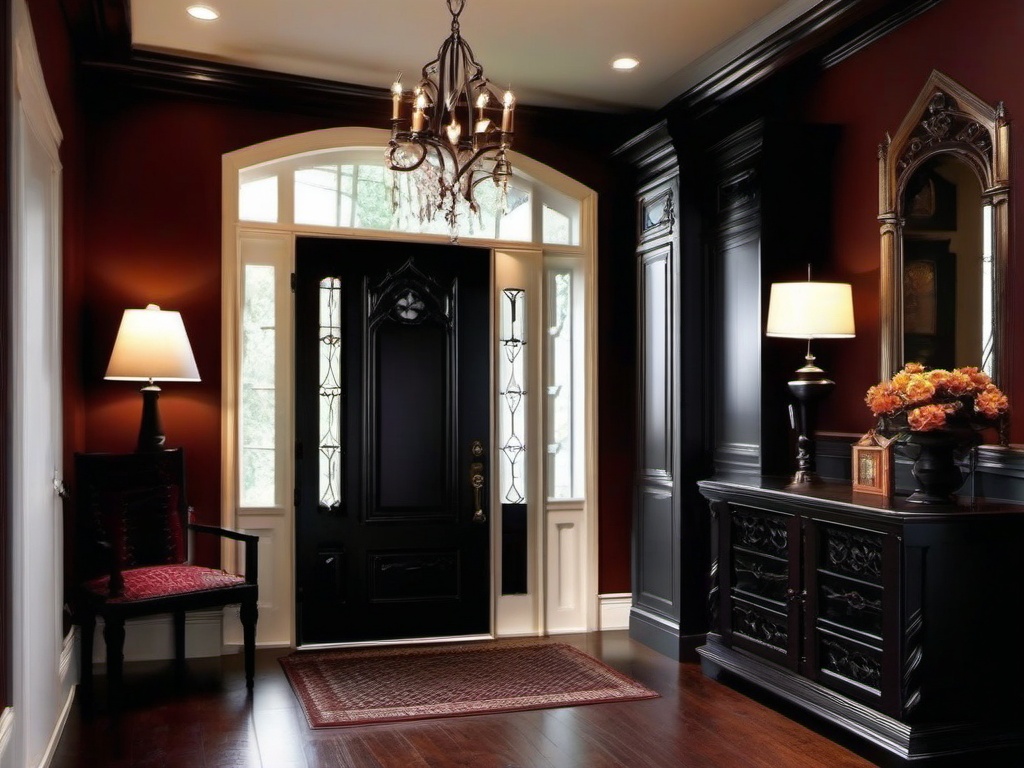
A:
(991, 402)
(919, 389)
(927, 418)
(957, 383)
(883, 399)
(978, 378)
(913, 368)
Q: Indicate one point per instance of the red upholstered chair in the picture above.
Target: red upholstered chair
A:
(131, 557)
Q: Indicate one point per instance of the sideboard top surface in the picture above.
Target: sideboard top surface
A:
(841, 497)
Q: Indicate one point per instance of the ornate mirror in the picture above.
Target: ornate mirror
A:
(944, 189)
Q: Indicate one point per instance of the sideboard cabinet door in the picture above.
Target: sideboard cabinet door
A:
(761, 579)
(853, 612)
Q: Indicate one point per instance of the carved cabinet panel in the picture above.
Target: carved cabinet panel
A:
(851, 581)
(759, 549)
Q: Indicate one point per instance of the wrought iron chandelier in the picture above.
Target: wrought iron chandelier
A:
(453, 136)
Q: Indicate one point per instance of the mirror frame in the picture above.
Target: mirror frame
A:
(945, 119)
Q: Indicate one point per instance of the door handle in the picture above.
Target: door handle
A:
(476, 479)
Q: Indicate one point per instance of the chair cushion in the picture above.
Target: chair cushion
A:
(164, 581)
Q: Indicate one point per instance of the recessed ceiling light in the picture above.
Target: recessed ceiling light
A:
(625, 63)
(202, 12)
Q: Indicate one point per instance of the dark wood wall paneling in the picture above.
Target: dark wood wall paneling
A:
(669, 525)
(157, 126)
(766, 224)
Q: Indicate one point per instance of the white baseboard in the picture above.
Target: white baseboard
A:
(6, 732)
(58, 728)
(152, 638)
(614, 610)
(68, 655)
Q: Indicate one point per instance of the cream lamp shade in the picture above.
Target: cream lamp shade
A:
(810, 310)
(152, 345)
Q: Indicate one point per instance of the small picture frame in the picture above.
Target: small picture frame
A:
(872, 465)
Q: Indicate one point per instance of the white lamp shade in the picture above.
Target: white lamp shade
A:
(811, 310)
(152, 344)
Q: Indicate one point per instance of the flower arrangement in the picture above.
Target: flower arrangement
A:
(922, 400)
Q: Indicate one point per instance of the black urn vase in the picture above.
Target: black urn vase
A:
(935, 467)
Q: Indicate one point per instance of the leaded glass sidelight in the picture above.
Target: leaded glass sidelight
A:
(512, 426)
(330, 391)
(512, 436)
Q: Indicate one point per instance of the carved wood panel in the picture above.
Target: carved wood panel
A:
(411, 396)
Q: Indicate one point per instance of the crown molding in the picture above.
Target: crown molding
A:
(830, 32)
(217, 81)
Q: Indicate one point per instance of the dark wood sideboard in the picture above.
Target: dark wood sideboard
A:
(898, 622)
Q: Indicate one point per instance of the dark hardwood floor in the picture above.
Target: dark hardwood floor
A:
(208, 720)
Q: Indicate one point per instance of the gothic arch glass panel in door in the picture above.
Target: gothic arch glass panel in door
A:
(392, 413)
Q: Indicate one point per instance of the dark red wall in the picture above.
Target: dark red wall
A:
(977, 44)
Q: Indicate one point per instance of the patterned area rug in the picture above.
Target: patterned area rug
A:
(356, 687)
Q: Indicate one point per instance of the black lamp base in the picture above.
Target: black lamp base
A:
(151, 430)
(809, 388)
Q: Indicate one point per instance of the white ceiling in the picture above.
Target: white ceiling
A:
(552, 52)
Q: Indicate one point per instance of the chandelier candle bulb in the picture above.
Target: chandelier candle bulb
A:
(417, 115)
(454, 131)
(481, 103)
(506, 114)
(396, 99)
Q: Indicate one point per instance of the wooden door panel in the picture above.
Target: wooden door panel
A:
(412, 406)
(399, 556)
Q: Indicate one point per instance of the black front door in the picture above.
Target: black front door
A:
(392, 423)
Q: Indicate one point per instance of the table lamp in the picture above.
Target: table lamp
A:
(809, 310)
(151, 345)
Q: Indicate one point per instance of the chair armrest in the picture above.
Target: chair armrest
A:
(251, 542)
(225, 532)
